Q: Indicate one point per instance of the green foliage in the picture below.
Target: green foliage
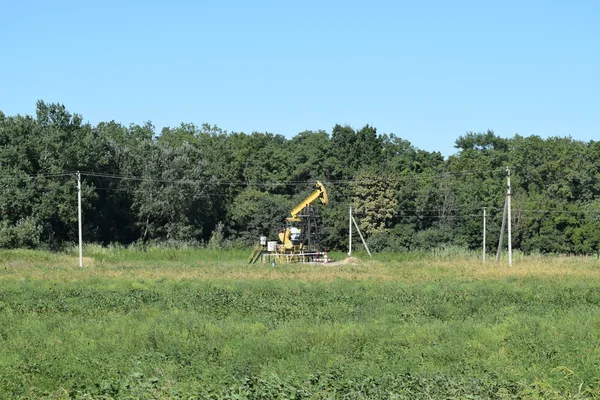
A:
(172, 201)
(395, 240)
(351, 150)
(25, 233)
(217, 237)
(481, 142)
(375, 200)
(255, 213)
(177, 186)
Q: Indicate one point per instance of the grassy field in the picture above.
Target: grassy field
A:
(203, 324)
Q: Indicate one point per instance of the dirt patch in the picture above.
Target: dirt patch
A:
(345, 261)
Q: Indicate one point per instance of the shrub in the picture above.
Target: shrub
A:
(25, 234)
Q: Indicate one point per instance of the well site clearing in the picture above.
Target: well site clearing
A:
(165, 323)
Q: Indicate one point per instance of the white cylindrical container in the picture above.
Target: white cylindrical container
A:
(272, 246)
(263, 240)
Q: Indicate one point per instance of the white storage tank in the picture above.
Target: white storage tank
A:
(272, 246)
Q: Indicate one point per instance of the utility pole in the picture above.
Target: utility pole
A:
(499, 252)
(484, 234)
(79, 213)
(361, 236)
(350, 220)
(508, 204)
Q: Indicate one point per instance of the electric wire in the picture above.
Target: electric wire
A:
(422, 176)
(443, 175)
(16, 177)
(402, 213)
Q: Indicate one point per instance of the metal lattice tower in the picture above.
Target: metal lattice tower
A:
(310, 228)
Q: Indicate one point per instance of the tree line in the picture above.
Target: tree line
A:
(201, 185)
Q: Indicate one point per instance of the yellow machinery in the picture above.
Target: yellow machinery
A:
(291, 237)
(320, 193)
(298, 243)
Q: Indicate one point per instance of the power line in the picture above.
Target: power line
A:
(17, 177)
(443, 175)
(429, 216)
(400, 178)
(332, 182)
(417, 211)
(112, 189)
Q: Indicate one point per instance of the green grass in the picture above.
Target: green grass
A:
(202, 324)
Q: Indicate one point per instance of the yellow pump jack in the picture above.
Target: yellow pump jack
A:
(290, 236)
(291, 241)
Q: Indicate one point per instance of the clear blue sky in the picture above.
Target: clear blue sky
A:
(427, 71)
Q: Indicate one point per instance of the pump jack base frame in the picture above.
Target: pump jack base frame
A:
(289, 258)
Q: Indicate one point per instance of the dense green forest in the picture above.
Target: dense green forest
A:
(203, 185)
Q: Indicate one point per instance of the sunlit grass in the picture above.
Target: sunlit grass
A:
(168, 323)
(193, 264)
